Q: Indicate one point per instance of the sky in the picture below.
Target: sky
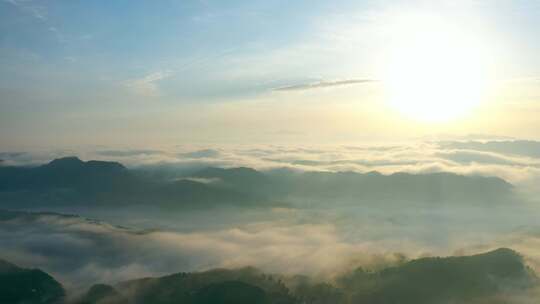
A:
(148, 73)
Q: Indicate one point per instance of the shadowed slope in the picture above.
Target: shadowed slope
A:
(24, 286)
(441, 280)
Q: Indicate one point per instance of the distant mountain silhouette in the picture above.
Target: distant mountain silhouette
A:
(332, 187)
(243, 180)
(68, 172)
(28, 286)
(70, 181)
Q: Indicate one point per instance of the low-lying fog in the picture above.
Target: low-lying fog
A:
(291, 221)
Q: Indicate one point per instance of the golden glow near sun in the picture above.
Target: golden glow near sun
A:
(433, 72)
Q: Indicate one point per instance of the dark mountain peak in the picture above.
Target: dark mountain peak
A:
(243, 285)
(502, 252)
(502, 256)
(67, 173)
(496, 258)
(73, 163)
(101, 289)
(102, 294)
(66, 162)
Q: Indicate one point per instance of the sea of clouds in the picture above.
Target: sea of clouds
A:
(516, 161)
(319, 242)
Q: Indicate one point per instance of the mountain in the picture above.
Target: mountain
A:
(101, 294)
(231, 292)
(429, 187)
(242, 180)
(71, 181)
(28, 286)
(482, 278)
(68, 172)
(234, 176)
(442, 280)
(371, 187)
(492, 277)
(199, 195)
(219, 286)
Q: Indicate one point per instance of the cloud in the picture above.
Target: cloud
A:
(39, 12)
(29, 7)
(11, 154)
(513, 161)
(322, 243)
(315, 241)
(519, 147)
(473, 156)
(320, 240)
(323, 84)
(206, 153)
(81, 252)
(127, 152)
(147, 86)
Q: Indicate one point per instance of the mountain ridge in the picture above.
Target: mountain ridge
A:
(69, 180)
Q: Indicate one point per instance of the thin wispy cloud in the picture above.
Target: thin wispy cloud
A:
(39, 12)
(30, 7)
(324, 84)
(147, 85)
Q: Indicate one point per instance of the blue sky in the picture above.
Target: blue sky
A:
(67, 66)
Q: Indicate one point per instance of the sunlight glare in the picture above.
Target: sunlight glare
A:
(434, 71)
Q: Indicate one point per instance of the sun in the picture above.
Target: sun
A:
(433, 71)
